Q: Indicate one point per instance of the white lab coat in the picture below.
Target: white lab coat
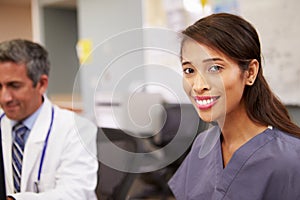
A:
(70, 164)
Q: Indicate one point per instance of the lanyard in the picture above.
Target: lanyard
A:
(45, 145)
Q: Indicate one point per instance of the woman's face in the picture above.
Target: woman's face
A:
(213, 82)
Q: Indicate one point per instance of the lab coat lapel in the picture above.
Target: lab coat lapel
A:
(6, 144)
(34, 146)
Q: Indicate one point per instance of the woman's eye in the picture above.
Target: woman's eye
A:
(188, 70)
(215, 68)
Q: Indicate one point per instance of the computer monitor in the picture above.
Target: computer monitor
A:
(2, 175)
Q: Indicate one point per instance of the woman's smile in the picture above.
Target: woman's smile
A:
(205, 102)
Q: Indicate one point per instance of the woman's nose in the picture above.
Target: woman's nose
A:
(200, 83)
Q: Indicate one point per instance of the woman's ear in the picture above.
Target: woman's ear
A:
(252, 72)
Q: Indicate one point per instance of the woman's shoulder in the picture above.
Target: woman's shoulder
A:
(284, 148)
(290, 141)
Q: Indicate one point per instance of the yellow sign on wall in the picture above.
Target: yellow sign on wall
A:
(84, 51)
(203, 2)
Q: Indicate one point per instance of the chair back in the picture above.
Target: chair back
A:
(114, 184)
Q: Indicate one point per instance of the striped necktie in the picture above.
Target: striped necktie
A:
(17, 154)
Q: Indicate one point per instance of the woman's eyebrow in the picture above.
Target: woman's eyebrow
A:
(185, 62)
(212, 59)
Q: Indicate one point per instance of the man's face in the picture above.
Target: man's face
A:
(19, 98)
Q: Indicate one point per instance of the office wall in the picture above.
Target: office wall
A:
(108, 25)
(15, 21)
(277, 23)
(60, 35)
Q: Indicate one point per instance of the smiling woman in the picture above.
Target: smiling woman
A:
(254, 140)
(213, 81)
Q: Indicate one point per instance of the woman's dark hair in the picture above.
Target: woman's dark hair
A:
(238, 39)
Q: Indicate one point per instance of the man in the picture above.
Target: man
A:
(49, 153)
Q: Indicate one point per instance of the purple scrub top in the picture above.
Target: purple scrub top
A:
(267, 167)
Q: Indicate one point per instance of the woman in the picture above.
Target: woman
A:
(256, 154)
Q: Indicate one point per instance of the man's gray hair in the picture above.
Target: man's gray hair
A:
(33, 55)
